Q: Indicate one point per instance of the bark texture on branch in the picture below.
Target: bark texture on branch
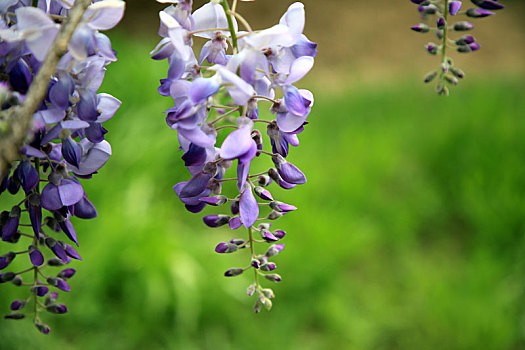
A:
(16, 122)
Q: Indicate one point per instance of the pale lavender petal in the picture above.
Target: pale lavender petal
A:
(237, 143)
(248, 207)
(70, 192)
(300, 67)
(202, 88)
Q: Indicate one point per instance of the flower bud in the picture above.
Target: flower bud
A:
(263, 193)
(268, 236)
(257, 307)
(282, 207)
(274, 215)
(237, 241)
(235, 207)
(36, 257)
(18, 304)
(451, 79)
(268, 267)
(274, 250)
(441, 23)
(222, 248)
(56, 308)
(478, 13)
(43, 328)
(14, 316)
(17, 281)
(233, 272)
(273, 277)
(6, 259)
(255, 263)
(428, 9)
(268, 293)
(454, 7)
(420, 28)
(235, 223)
(59, 283)
(66, 273)
(55, 262)
(288, 172)
(7, 277)
(215, 201)
(463, 26)
(251, 289)
(265, 301)
(263, 180)
(40, 290)
(216, 220)
(432, 48)
(489, 4)
(458, 73)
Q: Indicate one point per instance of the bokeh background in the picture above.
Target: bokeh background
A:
(411, 229)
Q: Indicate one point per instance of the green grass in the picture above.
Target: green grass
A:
(409, 233)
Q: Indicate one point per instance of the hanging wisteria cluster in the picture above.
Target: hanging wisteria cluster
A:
(65, 144)
(441, 11)
(221, 90)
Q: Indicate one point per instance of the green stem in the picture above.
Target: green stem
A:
(230, 23)
(444, 41)
(252, 250)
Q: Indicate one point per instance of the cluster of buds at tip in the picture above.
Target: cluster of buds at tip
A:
(218, 94)
(66, 143)
(442, 14)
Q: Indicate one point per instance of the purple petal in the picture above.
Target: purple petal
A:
(69, 230)
(70, 251)
(454, 7)
(237, 143)
(235, 223)
(70, 192)
(300, 67)
(202, 88)
(36, 257)
(84, 209)
(248, 207)
(196, 185)
(50, 198)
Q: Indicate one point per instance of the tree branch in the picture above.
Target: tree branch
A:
(19, 119)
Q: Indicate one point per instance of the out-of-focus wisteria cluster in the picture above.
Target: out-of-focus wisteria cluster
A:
(443, 12)
(218, 94)
(66, 144)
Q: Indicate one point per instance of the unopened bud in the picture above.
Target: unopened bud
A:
(233, 272)
(14, 316)
(273, 277)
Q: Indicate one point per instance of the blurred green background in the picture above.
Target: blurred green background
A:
(410, 232)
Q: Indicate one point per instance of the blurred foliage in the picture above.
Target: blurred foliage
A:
(409, 233)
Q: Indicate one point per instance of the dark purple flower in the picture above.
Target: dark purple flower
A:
(27, 175)
(71, 151)
(84, 209)
(67, 193)
(36, 257)
(67, 227)
(11, 225)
